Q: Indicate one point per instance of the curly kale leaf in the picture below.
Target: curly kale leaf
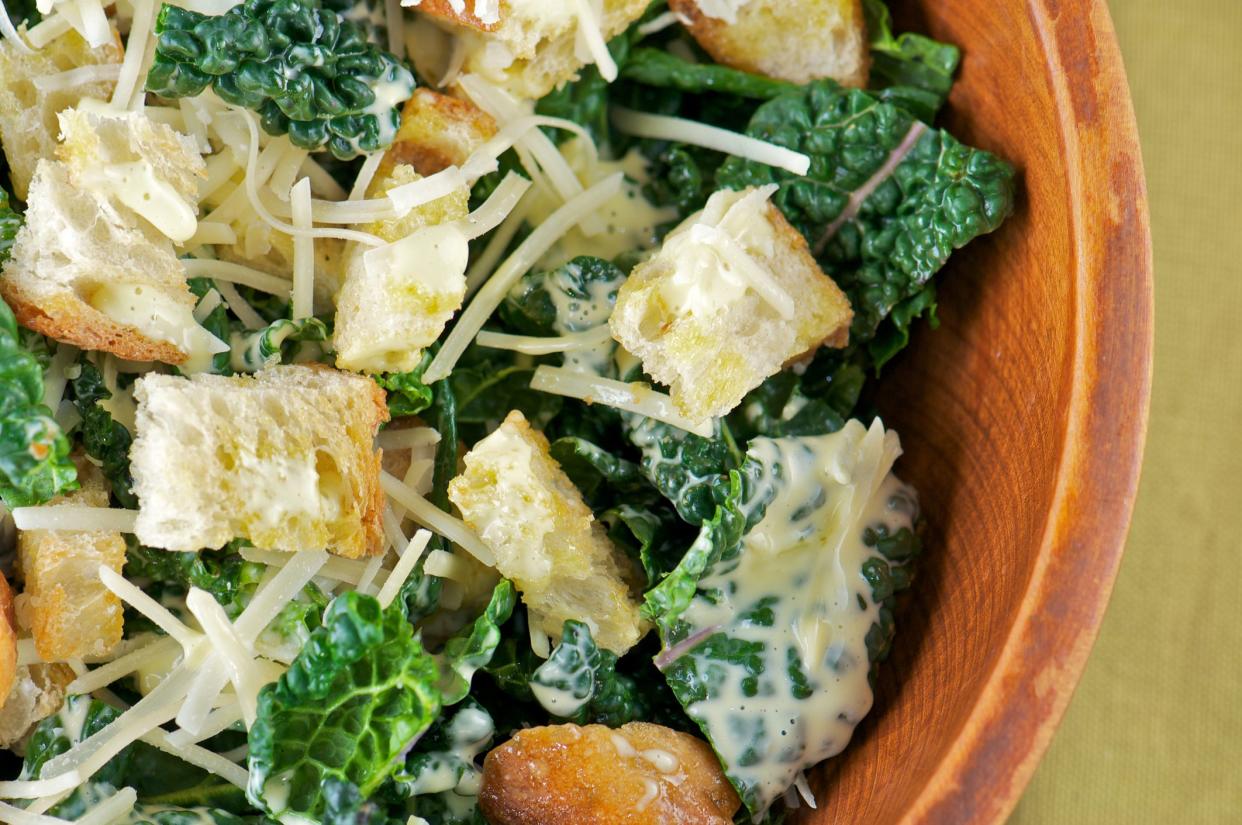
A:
(281, 342)
(910, 70)
(656, 67)
(573, 297)
(579, 682)
(10, 222)
(651, 532)
(105, 439)
(23, 11)
(407, 392)
(475, 645)
(684, 467)
(599, 474)
(441, 777)
(229, 578)
(308, 72)
(816, 401)
(217, 322)
(34, 453)
(163, 815)
(887, 200)
(787, 601)
(357, 696)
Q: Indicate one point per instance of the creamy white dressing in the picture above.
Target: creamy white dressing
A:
(577, 314)
(802, 565)
(156, 316)
(137, 186)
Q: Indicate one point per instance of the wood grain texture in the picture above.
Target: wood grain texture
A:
(1023, 419)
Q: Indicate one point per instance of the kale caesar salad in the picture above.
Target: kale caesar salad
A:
(457, 411)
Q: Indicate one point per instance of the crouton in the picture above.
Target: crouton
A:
(794, 40)
(28, 110)
(386, 314)
(70, 612)
(545, 538)
(8, 640)
(38, 691)
(732, 297)
(535, 47)
(92, 266)
(639, 774)
(437, 131)
(284, 458)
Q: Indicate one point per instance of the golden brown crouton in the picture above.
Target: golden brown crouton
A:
(284, 458)
(70, 611)
(38, 691)
(794, 40)
(8, 640)
(639, 774)
(28, 110)
(545, 538)
(437, 131)
(732, 297)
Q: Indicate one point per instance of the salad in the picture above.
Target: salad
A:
(456, 411)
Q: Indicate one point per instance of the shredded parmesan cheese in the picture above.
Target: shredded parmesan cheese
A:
(635, 398)
(365, 175)
(235, 274)
(680, 130)
(140, 31)
(435, 519)
(522, 259)
(532, 345)
(10, 32)
(303, 251)
(405, 565)
(77, 77)
(591, 38)
(75, 517)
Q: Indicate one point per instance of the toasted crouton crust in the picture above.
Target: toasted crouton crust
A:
(437, 131)
(443, 10)
(38, 691)
(794, 40)
(28, 124)
(8, 640)
(710, 351)
(545, 538)
(284, 459)
(70, 612)
(639, 774)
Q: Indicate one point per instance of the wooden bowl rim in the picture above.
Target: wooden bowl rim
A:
(998, 748)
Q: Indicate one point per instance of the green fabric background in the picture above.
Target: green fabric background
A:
(1154, 732)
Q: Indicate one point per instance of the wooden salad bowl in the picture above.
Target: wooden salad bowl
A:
(1023, 418)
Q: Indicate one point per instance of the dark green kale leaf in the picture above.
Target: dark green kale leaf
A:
(887, 200)
(164, 815)
(684, 467)
(815, 401)
(306, 70)
(34, 453)
(576, 296)
(229, 578)
(473, 647)
(441, 777)
(600, 475)
(23, 11)
(651, 532)
(488, 384)
(579, 682)
(659, 68)
(369, 15)
(345, 805)
(281, 342)
(216, 322)
(910, 70)
(105, 439)
(407, 393)
(357, 696)
(10, 223)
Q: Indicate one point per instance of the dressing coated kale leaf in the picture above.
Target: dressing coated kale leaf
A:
(579, 682)
(656, 67)
(282, 341)
(441, 778)
(308, 72)
(359, 693)
(230, 579)
(408, 394)
(887, 200)
(34, 453)
(473, 647)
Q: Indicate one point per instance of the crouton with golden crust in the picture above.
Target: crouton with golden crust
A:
(794, 40)
(71, 613)
(8, 640)
(437, 131)
(284, 458)
(28, 125)
(545, 538)
(639, 774)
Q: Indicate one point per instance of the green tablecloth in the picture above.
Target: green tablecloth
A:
(1154, 732)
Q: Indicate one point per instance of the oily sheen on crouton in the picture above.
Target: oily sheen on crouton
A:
(794, 40)
(639, 774)
(535, 46)
(283, 458)
(28, 110)
(71, 614)
(386, 316)
(437, 131)
(545, 538)
(732, 296)
(89, 267)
